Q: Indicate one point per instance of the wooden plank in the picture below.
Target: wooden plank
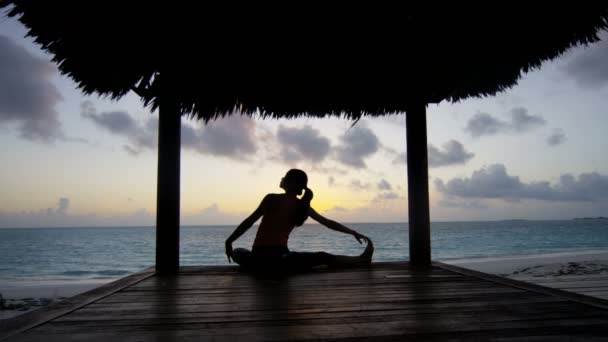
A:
(282, 289)
(337, 288)
(280, 330)
(591, 332)
(296, 299)
(510, 305)
(417, 303)
(170, 316)
(29, 320)
(271, 319)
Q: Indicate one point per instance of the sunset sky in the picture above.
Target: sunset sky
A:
(537, 151)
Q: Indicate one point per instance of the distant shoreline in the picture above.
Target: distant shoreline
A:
(599, 218)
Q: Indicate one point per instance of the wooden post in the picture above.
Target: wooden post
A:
(418, 186)
(168, 187)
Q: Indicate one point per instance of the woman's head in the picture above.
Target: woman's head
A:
(296, 181)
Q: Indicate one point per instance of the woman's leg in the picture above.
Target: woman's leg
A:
(242, 256)
(307, 260)
(364, 258)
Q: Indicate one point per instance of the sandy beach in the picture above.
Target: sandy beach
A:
(23, 297)
(580, 272)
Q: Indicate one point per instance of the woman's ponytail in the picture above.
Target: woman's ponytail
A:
(303, 207)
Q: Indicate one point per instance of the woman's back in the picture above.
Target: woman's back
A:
(277, 222)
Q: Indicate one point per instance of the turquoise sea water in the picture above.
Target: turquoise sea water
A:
(74, 254)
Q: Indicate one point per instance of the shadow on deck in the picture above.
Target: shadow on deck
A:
(385, 301)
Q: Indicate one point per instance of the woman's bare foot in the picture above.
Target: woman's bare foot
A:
(368, 252)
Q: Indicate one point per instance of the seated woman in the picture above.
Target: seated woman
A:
(281, 213)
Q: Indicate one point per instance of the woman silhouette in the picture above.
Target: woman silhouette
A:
(281, 213)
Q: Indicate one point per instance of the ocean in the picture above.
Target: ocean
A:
(103, 254)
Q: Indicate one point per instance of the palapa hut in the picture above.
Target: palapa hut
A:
(287, 63)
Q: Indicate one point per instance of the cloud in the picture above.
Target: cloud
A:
(400, 159)
(485, 124)
(231, 137)
(386, 196)
(453, 153)
(357, 143)
(212, 215)
(384, 185)
(302, 144)
(388, 210)
(331, 181)
(27, 94)
(461, 204)
(556, 138)
(64, 204)
(121, 123)
(337, 209)
(589, 69)
(493, 182)
(60, 216)
(356, 184)
(520, 121)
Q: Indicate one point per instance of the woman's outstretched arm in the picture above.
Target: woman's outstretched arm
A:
(333, 225)
(244, 226)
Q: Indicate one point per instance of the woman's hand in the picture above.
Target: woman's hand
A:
(229, 250)
(360, 236)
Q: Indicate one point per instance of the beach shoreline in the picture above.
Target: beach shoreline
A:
(21, 297)
(575, 263)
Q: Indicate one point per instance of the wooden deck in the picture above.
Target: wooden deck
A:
(387, 301)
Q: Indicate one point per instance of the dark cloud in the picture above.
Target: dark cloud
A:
(357, 143)
(27, 94)
(121, 123)
(232, 137)
(386, 196)
(303, 143)
(453, 153)
(494, 182)
(63, 205)
(384, 185)
(556, 138)
(590, 68)
(485, 124)
(459, 203)
(356, 184)
(520, 121)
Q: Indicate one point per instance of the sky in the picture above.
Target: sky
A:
(536, 151)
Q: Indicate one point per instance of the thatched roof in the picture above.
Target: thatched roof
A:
(285, 64)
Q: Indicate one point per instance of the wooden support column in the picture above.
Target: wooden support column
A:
(418, 186)
(168, 187)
